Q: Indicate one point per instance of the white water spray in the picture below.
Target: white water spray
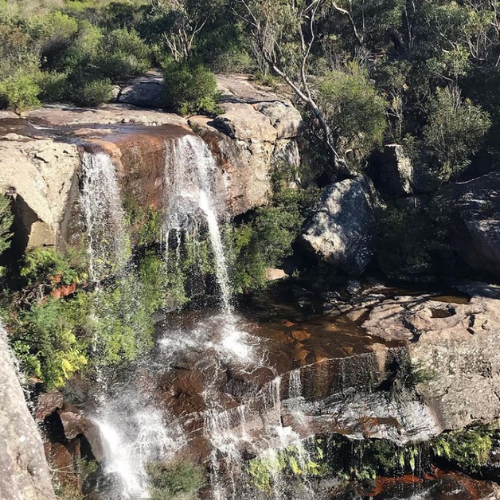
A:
(190, 192)
(108, 242)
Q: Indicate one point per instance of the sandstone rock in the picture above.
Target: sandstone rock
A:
(56, 116)
(245, 123)
(342, 231)
(73, 422)
(245, 166)
(144, 91)
(24, 473)
(456, 345)
(275, 274)
(47, 404)
(283, 117)
(40, 174)
(394, 171)
(475, 210)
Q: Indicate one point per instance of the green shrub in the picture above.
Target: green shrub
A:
(46, 343)
(90, 91)
(190, 88)
(53, 86)
(455, 130)
(6, 219)
(468, 448)
(19, 91)
(169, 480)
(123, 55)
(355, 111)
(84, 49)
(46, 265)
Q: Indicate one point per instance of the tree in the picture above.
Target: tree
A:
(284, 33)
(184, 21)
(455, 130)
(354, 111)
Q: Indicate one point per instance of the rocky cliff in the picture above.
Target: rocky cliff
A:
(24, 473)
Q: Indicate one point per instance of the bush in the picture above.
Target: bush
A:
(355, 111)
(190, 88)
(19, 91)
(455, 130)
(469, 448)
(124, 55)
(170, 480)
(6, 219)
(46, 342)
(90, 91)
(53, 86)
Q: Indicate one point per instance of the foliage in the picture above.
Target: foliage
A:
(293, 461)
(190, 88)
(56, 338)
(266, 240)
(46, 265)
(455, 131)
(178, 478)
(354, 110)
(46, 343)
(6, 219)
(468, 448)
(414, 240)
(89, 91)
(124, 54)
(19, 91)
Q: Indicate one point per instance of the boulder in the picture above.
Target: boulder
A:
(342, 231)
(24, 473)
(40, 176)
(474, 207)
(48, 403)
(394, 171)
(144, 91)
(257, 130)
(452, 343)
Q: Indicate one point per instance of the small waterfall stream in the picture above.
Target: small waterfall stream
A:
(133, 430)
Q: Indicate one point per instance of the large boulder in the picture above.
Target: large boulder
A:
(257, 130)
(453, 348)
(144, 91)
(24, 473)
(342, 232)
(474, 208)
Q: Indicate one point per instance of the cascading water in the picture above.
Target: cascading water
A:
(190, 192)
(108, 243)
(132, 428)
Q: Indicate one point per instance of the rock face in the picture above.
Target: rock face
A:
(40, 167)
(475, 211)
(342, 231)
(24, 473)
(454, 346)
(144, 91)
(394, 171)
(40, 174)
(257, 130)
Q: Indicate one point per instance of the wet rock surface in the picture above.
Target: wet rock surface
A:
(454, 344)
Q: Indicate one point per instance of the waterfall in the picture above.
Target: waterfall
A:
(108, 243)
(133, 434)
(190, 193)
(133, 431)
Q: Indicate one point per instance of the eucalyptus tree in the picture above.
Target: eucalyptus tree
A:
(285, 34)
(184, 21)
